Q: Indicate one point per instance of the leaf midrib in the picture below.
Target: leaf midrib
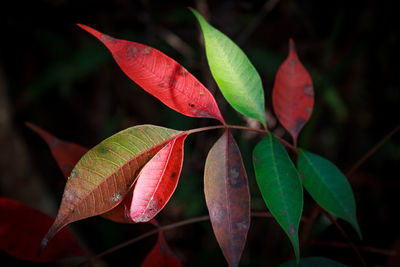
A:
(180, 90)
(162, 174)
(279, 183)
(226, 159)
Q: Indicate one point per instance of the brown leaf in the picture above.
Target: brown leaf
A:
(227, 197)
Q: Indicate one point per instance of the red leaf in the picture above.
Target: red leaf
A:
(161, 76)
(22, 229)
(293, 94)
(227, 197)
(66, 154)
(161, 255)
(157, 181)
(120, 213)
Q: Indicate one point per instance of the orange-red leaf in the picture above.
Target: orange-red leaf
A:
(106, 173)
(227, 197)
(161, 76)
(157, 181)
(67, 154)
(22, 229)
(161, 255)
(293, 94)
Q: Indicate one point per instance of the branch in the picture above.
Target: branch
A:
(386, 252)
(372, 151)
(164, 228)
(245, 34)
(350, 243)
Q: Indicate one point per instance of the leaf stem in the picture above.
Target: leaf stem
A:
(202, 129)
(244, 128)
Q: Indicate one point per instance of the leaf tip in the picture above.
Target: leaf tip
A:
(355, 225)
(43, 244)
(55, 227)
(292, 48)
(82, 26)
(90, 30)
(28, 124)
(198, 16)
(31, 126)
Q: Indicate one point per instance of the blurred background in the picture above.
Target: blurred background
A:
(62, 79)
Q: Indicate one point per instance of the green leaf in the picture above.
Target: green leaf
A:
(313, 262)
(236, 77)
(280, 186)
(328, 186)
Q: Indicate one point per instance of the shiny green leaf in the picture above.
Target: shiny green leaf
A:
(280, 186)
(236, 77)
(328, 186)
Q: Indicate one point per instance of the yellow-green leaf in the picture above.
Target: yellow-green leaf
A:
(236, 77)
(107, 172)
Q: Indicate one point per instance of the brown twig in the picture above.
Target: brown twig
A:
(386, 252)
(372, 151)
(263, 214)
(350, 243)
(239, 127)
(305, 231)
(147, 234)
(245, 34)
(264, 131)
(165, 228)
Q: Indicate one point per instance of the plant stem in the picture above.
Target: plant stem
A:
(372, 151)
(351, 244)
(202, 129)
(164, 228)
(239, 127)
(305, 231)
(374, 250)
(147, 234)
(244, 35)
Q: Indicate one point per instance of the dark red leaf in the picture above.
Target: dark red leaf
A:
(227, 197)
(157, 181)
(66, 154)
(293, 94)
(22, 228)
(161, 76)
(161, 255)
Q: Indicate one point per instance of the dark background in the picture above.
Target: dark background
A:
(59, 77)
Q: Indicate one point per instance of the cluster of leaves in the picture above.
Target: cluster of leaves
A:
(130, 176)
